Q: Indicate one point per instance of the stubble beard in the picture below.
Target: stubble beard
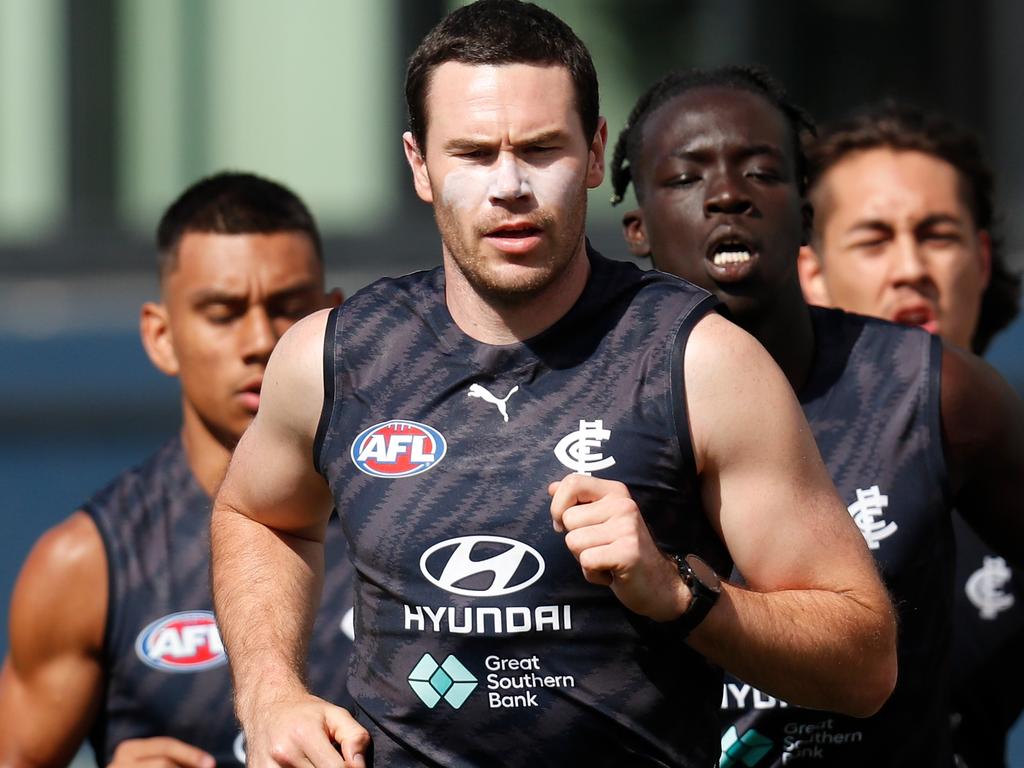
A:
(467, 255)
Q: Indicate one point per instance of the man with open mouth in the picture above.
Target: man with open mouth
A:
(903, 229)
(908, 427)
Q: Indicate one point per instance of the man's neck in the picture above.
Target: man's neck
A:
(785, 329)
(207, 457)
(493, 322)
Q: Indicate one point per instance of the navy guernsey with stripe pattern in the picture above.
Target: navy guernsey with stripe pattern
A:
(480, 642)
(872, 402)
(164, 667)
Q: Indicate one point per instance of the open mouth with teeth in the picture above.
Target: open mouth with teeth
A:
(731, 259)
(730, 255)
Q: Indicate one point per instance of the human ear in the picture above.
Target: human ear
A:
(155, 330)
(812, 277)
(418, 163)
(595, 167)
(985, 255)
(633, 231)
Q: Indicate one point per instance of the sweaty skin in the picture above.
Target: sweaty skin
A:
(224, 307)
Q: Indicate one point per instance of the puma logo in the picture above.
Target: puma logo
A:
(475, 390)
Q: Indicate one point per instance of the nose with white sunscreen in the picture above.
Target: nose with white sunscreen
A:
(509, 179)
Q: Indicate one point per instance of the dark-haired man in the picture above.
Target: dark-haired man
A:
(906, 427)
(112, 631)
(903, 230)
(509, 613)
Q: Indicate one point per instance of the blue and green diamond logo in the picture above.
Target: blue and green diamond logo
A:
(746, 750)
(449, 680)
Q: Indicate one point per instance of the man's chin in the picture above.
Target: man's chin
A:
(512, 285)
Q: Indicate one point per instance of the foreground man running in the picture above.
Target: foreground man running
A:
(541, 590)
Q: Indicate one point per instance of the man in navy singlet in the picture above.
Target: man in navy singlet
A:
(112, 631)
(905, 426)
(509, 613)
(903, 229)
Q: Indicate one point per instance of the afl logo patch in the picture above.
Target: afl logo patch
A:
(182, 642)
(398, 449)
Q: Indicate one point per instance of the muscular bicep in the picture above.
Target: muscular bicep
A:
(763, 482)
(272, 478)
(983, 431)
(52, 680)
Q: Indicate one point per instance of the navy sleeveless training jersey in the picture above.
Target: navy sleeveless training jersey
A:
(872, 401)
(988, 666)
(480, 642)
(165, 669)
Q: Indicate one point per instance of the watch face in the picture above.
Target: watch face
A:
(705, 573)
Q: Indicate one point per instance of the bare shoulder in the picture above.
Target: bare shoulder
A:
(62, 585)
(718, 347)
(293, 386)
(52, 680)
(300, 351)
(969, 383)
(730, 381)
(982, 417)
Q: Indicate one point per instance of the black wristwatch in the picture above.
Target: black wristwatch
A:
(705, 587)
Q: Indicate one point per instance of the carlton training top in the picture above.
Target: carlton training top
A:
(872, 401)
(988, 666)
(165, 670)
(481, 643)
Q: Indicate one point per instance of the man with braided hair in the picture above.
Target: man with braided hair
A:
(908, 427)
(903, 229)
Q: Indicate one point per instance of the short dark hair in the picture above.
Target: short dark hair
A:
(752, 79)
(500, 32)
(232, 203)
(894, 125)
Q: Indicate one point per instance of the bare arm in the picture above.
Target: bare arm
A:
(815, 626)
(983, 430)
(267, 533)
(52, 679)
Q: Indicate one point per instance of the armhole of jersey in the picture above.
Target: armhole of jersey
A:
(110, 619)
(684, 440)
(327, 409)
(937, 457)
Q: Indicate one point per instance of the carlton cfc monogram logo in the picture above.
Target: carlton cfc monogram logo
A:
(398, 449)
(579, 450)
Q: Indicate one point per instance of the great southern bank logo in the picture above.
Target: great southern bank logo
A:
(482, 566)
(398, 449)
(182, 642)
(449, 680)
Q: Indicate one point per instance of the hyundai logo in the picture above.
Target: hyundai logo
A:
(500, 567)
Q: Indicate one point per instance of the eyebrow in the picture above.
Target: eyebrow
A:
(462, 144)
(939, 218)
(876, 225)
(743, 153)
(870, 225)
(209, 296)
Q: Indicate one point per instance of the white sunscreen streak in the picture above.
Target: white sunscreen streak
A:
(471, 187)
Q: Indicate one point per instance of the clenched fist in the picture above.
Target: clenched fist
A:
(607, 535)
